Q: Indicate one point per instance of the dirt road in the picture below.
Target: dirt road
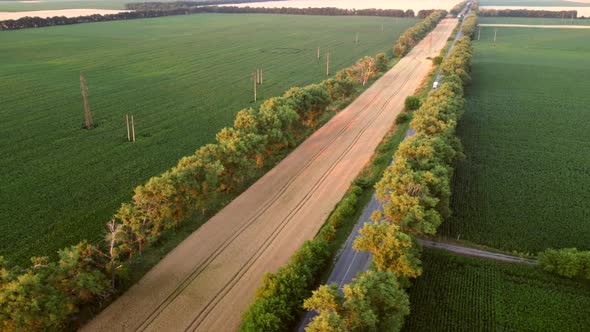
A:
(210, 278)
(537, 26)
(472, 252)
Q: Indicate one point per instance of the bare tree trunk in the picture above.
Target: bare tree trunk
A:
(328, 63)
(114, 229)
(87, 114)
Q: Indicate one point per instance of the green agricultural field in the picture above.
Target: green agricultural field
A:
(470, 294)
(526, 131)
(532, 21)
(184, 78)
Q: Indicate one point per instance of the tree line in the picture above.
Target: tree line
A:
(327, 11)
(413, 35)
(416, 192)
(567, 262)
(160, 9)
(277, 305)
(469, 24)
(528, 13)
(458, 8)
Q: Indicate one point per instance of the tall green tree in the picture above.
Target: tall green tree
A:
(392, 250)
(373, 301)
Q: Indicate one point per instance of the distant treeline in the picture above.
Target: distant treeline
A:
(187, 4)
(528, 13)
(458, 8)
(158, 9)
(328, 11)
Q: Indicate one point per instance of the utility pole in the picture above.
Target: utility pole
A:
(128, 133)
(318, 53)
(382, 29)
(572, 18)
(261, 73)
(254, 80)
(328, 63)
(478, 33)
(495, 35)
(562, 17)
(133, 127)
(356, 39)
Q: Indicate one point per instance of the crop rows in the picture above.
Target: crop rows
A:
(184, 78)
(524, 182)
(470, 294)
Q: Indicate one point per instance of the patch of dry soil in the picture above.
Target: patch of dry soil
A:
(60, 12)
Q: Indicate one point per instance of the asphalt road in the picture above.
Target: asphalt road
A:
(350, 262)
(206, 282)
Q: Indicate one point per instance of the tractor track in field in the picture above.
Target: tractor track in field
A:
(207, 281)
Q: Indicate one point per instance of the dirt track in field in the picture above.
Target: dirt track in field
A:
(537, 26)
(57, 12)
(210, 278)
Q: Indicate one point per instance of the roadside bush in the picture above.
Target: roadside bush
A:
(381, 62)
(412, 103)
(277, 304)
(339, 89)
(568, 262)
(374, 301)
(402, 118)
